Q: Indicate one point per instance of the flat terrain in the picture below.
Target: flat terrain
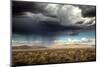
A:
(30, 56)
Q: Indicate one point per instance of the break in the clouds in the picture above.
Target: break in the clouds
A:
(48, 21)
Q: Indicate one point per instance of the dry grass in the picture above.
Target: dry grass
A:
(51, 56)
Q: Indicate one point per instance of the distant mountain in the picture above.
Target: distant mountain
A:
(27, 47)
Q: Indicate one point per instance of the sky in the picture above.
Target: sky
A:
(48, 23)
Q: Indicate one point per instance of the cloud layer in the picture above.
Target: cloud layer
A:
(51, 19)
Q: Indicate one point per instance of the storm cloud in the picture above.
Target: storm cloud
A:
(18, 7)
(40, 25)
(51, 20)
(88, 11)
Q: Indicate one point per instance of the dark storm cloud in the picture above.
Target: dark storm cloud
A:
(80, 22)
(88, 11)
(31, 18)
(18, 7)
(44, 27)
